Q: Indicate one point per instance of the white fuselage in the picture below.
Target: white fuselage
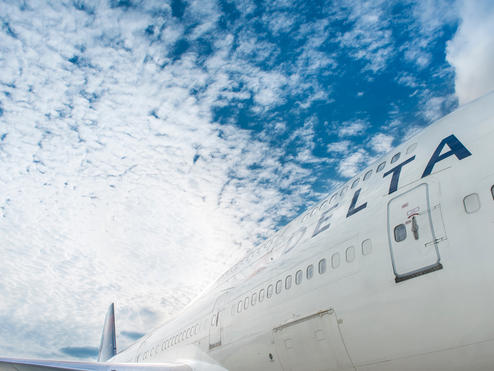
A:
(408, 279)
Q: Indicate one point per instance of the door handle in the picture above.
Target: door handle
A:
(415, 228)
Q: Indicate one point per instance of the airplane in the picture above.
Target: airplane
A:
(392, 271)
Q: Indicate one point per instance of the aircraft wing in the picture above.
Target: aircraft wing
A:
(12, 364)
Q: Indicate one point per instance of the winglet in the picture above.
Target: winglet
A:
(108, 345)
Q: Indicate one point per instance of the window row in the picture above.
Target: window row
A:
(169, 342)
(299, 276)
(356, 182)
(471, 203)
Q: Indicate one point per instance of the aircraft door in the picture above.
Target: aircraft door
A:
(215, 330)
(215, 326)
(414, 231)
(312, 343)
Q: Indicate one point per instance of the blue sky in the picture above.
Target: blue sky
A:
(145, 146)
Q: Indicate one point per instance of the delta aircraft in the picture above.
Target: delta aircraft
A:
(393, 271)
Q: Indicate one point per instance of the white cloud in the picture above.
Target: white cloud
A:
(351, 165)
(381, 143)
(352, 128)
(407, 79)
(434, 107)
(305, 134)
(115, 182)
(339, 147)
(430, 17)
(370, 38)
(279, 22)
(417, 55)
(471, 51)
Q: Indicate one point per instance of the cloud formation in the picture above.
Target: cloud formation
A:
(471, 51)
(121, 177)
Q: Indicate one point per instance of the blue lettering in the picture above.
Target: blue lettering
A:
(324, 218)
(352, 209)
(292, 242)
(455, 148)
(396, 171)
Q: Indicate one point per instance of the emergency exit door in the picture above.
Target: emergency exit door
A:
(414, 231)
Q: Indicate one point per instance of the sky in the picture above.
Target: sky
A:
(146, 146)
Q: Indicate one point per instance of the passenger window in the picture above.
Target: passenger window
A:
(239, 306)
(278, 286)
(366, 247)
(288, 282)
(350, 254)
(333, 197)
(492, 191)
(400, 232)
(246, 302)
(298, 277)
(381, 166)
(411, 148)
(253, 298)
(261, 295)
(324, 204)
(310, 271)
(269, 291)
(335, 260)
(368, 175)
(343, 191)
(471, 203)
(395, 158)
(322, 266)
(355, 183)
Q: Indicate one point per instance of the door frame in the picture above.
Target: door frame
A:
(215, 327)
(399, 277)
